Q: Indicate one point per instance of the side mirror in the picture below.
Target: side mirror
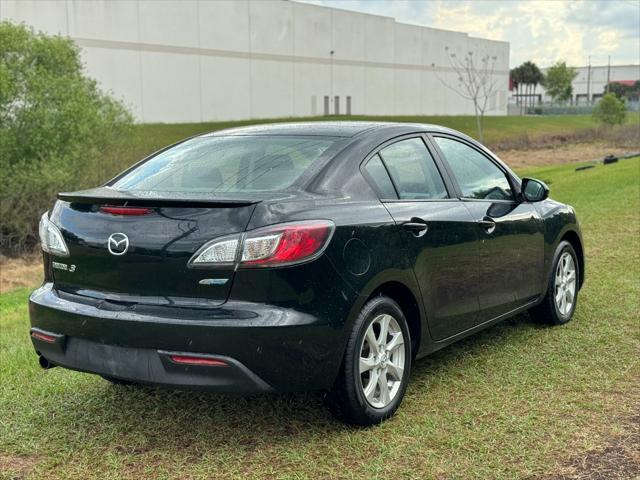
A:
(534, 190)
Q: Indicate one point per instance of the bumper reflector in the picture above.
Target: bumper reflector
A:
(43, 336)
(195, 360)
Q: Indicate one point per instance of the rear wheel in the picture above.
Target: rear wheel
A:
(376, 367)
(561, 298)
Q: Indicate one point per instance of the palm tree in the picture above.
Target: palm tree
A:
(531, 77)
(537, 77)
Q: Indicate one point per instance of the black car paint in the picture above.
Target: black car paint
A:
(289, 326)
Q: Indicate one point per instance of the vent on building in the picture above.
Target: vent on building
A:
(349, 105)
(336, 105)
(326, 105)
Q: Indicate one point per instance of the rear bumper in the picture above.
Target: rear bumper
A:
(264, 347)
(147, 366)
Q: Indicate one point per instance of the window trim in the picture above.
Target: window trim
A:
(514, 191)
(435, 156)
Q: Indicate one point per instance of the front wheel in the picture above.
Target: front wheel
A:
(376, 367)
(561, 297)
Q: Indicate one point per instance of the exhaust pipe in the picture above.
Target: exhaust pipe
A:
(44, 363)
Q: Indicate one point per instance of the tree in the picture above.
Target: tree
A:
(55, 126)
(529, 76)
(610, 110)
(475, 81)
(630, 92)
(558, 81)
(517, 78)
(534, 78)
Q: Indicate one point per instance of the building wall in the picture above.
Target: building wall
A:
(199, 60)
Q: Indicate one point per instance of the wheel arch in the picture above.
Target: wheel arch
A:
(405, 298)
(574, 239)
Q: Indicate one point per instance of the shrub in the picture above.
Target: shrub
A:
(55, 125)
(610, 110)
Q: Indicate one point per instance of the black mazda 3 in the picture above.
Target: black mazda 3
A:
(311, 256)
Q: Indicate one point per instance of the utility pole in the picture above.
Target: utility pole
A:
(608, 75)
(589, 82)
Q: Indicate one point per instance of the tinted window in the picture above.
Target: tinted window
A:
(228, 164)
(477, 176)
(379, 175)
(413, 170)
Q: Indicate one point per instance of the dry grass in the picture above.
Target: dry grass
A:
(19, 272)
(560, 154)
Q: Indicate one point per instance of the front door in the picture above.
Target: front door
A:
(511, 233)
(440, 235)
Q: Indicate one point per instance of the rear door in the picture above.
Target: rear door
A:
(511, 232)
(439, 232)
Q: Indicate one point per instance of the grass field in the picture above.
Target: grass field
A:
(518, 400)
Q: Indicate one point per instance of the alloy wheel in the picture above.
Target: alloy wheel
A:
(382, 361)
(565, 284)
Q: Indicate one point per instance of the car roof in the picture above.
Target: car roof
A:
(328, 129)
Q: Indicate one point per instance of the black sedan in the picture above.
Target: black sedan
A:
(288, 257)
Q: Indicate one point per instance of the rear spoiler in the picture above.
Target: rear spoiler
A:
(109, 196)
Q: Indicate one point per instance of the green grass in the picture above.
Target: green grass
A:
(510, 402)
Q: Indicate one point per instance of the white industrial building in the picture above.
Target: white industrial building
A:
(198, 60)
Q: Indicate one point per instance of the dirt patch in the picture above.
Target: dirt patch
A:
(623, 136)
(582, 152)
(619, 458)
(17, 466)
(20, 272)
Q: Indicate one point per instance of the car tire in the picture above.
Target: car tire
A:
(561, 297)
(117, 381)
(372, 381)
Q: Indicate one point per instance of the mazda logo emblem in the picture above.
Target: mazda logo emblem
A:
(118, 244)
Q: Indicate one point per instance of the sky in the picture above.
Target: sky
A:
(543, 31)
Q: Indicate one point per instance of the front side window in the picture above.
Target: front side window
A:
(228, 164)
(413, 170)
(477, 176)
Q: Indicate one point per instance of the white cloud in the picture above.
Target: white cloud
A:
(542, 31)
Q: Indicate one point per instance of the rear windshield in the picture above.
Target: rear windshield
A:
(228, 164)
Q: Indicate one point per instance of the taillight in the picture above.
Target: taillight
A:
(125, 210)
(286, 244)
(51, 239)
(276, 245)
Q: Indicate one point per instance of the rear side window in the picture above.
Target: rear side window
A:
(228, 164)
(380, 177)
(477, 176)
(413, 170)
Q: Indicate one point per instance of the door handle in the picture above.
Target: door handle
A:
(416, 226)
(488, 224)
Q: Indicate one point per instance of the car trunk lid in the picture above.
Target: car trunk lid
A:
(154, 234)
